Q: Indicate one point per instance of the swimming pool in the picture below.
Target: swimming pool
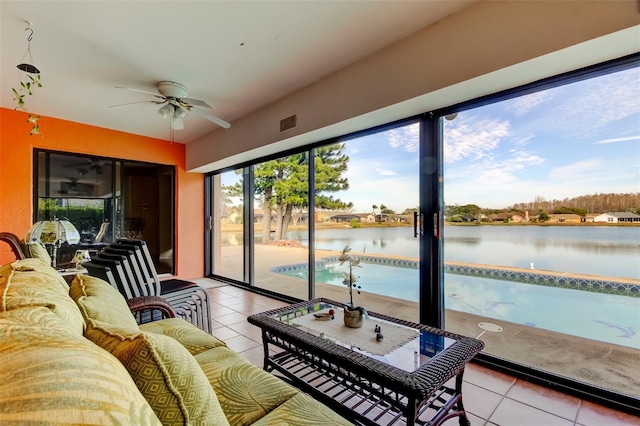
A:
(605, 317)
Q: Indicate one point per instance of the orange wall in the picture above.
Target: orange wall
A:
(16, 177)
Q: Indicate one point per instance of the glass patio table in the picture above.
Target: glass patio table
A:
(390, 371)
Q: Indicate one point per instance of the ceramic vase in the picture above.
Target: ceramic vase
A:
(353, 318)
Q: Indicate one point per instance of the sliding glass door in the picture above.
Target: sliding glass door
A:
(361, 192)
(542, 228)
(513, 218)
(227, 225)
(372, 214)
(281, 205)
(106, 199)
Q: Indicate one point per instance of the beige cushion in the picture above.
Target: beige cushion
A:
(53, 375)
(165, 372)
(37, 250)
(191, 337)
(31, 282)
(245, 391)
(302, 410)
(99, 301)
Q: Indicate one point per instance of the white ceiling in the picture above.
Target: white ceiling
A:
(236, 55)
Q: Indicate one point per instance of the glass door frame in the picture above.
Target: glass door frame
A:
(431, 217)
(436, 284)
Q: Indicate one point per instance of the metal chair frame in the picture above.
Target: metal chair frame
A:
(133, 273)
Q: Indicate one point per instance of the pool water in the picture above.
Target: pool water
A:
(604, 317)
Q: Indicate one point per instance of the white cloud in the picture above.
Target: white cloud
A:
(407, 136)
(613, 140)
(571, 171)
(396, 192)
(469, 137)
(385, 172)
(597, 105)
(521, 157)
(523, 104)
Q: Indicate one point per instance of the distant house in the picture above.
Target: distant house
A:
(565, 218)
(367, 217)
(518, 218)
(345, 217)
(618, 217)
(506, 216)
(500, 217)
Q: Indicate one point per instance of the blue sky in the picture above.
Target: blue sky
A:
(577, 139)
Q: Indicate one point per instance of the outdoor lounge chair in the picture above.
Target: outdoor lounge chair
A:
(188, 299)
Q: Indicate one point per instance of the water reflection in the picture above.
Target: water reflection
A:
(598, 250)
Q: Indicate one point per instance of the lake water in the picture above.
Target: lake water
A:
(608, 251)
(599, 250)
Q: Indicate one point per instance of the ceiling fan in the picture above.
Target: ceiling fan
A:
(175, 104)
(90, 164)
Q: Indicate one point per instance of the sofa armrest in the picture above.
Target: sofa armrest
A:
(150, 308)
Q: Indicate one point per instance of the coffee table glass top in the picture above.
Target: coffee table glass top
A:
(399, 345)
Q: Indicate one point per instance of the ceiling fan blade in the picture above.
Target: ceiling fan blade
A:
(196, 102)
(139, 102)
(220, 122)
(141, 91)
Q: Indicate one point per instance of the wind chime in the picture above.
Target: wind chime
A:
(29, 80)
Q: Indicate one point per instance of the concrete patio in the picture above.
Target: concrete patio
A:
(600, 364)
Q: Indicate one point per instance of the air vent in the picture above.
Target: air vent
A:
(288, 123)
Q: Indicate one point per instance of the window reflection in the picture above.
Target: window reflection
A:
(105, 199)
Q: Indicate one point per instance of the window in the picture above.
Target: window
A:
(497, 210)
(527, 265)
(105, 199)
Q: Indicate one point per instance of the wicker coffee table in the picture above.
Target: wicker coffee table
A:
(412, 374)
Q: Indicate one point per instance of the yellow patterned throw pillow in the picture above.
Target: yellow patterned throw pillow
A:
(37, 250)
(31, 282)
(165, 372)
(51, 375)
(99, 301)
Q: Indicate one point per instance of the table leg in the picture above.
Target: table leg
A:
(463, 420)
(265, 348)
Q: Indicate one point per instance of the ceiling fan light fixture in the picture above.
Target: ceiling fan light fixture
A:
(180, 112)
(166, 111)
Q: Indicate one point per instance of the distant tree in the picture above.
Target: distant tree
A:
(281, 185)
(543, 216)
(570, 210)
(409, 211)
(468, 212)
(386, 210)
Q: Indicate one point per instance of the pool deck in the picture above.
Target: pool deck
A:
(601, 364)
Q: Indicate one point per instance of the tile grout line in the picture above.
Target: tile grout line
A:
(513, 383)
(575, 420)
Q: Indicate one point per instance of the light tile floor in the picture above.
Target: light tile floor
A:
(491, 398)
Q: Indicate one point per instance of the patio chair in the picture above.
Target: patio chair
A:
(135, 279)
(113, 272)
(187, 298)
(14, 244)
